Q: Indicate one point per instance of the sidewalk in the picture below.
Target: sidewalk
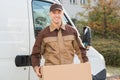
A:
(116, 77)
(113, 73)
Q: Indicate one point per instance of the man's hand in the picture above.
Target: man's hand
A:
(38, 71)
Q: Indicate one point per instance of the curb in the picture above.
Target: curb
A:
(116, 77)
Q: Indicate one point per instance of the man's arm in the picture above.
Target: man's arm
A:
(36, 55)
(80, 49)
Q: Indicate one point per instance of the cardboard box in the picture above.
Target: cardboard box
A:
(80, 71)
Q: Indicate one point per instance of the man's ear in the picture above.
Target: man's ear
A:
(50, 14)
(63, 13)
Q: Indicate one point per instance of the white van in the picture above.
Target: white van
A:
(19, 22)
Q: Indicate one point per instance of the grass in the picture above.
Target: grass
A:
(111, 71)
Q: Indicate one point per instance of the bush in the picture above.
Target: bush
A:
(112, 57)
(110, 49)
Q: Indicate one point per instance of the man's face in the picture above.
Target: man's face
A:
(56, 16)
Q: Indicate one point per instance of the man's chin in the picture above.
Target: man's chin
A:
(57, 22)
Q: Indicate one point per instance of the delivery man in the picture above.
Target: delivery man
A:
(57, 43)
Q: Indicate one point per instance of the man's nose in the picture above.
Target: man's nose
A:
(57, 15)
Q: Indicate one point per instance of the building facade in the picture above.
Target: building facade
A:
(73, 7)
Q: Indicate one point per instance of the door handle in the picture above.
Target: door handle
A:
(22, 60)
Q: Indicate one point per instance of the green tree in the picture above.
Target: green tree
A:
(104, 18)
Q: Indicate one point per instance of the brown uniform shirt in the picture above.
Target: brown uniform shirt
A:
(57, 46)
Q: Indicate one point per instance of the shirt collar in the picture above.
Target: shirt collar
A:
(52, 27)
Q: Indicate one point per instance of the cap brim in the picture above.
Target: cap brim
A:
(57, 9)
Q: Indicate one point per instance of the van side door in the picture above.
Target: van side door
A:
(14, 40)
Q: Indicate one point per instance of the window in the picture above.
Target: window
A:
(40, 14)
(73, 1)
(41, 17)
(82, 1)
(61, 1)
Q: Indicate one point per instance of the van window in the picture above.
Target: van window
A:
(41, 17)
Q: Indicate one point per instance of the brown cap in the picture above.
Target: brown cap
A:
(55, 6)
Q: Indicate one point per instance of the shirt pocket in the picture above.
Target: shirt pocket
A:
(68, 41)
(50, 39)
(51, 43)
